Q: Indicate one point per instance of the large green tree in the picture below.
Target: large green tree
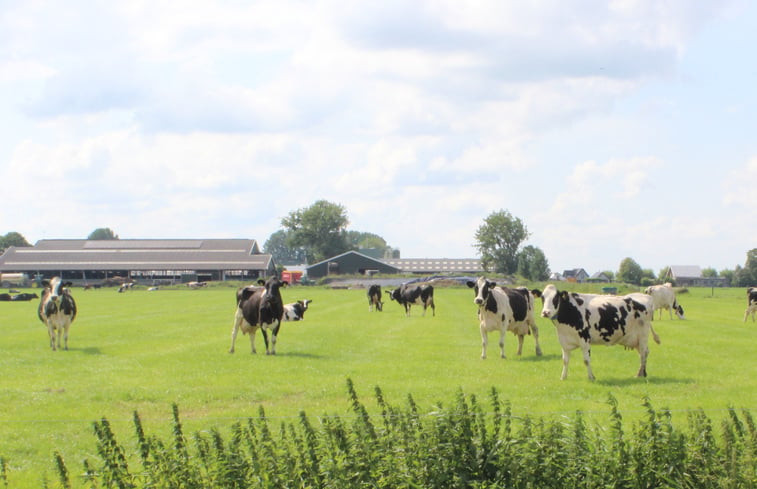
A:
(102, 233)
(747, 276)
(282, 253)
(319, 229)
(498, 240)
(12, 239)
(533, 264)
(630, 272)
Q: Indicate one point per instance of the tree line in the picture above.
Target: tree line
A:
(320, 231)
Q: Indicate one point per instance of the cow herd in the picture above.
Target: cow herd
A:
(581, 320)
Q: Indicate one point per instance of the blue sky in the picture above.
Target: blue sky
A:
(612, 129)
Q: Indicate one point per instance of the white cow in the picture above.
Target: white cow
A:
(586, 319)
(665, 298)
(751, 294)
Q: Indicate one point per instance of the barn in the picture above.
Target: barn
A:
(351, 263)
(691, 276)
(143, 260)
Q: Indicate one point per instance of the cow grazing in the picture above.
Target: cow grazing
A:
(664, 297)
(24, 297)
(5, 297)
(585, 319)
(407, 295)
(295, 311)
(259, 308)
(126, 286)
(751, 294)
(57, 309)
(374, 298)
(503, 309)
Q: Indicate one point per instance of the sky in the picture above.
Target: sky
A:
(612, 129)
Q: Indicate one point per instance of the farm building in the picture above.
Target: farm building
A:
(575, 275)
(353, 262)
(143, 260)
(470, 266)
(691, 276)
(350, 262)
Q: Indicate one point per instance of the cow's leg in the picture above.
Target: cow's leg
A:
(433, 308)
(65, 334)
(565, 361)
(643, 354)
(484, 341)
(252, 340)
(59, 330)
(502, 332)
(407, 309)
(520, 344)
(274, 335)
(51, 333)
(535, 333)
(265, 338)
(235, 329)
(587, 360)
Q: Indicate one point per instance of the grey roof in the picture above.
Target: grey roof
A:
(137, 254)
(685, 271)
(436, 264)
(346, 253)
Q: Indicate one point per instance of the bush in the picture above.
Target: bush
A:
(463, 445)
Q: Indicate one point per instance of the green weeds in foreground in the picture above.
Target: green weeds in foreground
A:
(464, 445)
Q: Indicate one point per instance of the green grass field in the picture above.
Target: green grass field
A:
(144, 351)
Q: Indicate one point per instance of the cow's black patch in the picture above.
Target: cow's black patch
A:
(611, 319)
(569, 314)
(518, 303)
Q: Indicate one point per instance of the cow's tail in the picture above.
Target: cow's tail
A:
(654, 335)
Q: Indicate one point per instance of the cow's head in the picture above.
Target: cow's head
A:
(272, 294)
(551, 297)
(394, 294)
(482, 288)
(54, 288)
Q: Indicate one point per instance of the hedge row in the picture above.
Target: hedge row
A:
(463, 445)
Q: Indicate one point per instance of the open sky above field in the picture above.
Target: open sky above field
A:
(612, 129)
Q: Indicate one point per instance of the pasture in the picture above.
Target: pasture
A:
(144, 351)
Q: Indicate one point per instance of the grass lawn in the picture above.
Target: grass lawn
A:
(144, 351)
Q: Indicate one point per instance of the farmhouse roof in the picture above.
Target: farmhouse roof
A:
(685, 271)
(137, 254)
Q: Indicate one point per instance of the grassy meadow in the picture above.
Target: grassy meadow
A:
(144, 351)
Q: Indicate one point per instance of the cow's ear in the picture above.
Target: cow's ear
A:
(68, 284)
(470, 284)
(45, 283)
(564, 295)
(492, 284)
(284, 283)
(536, 293)
(261, 281)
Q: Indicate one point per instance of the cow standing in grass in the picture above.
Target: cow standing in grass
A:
(503, 309)
(751, 306)
(665, 298)
(374, 298)
(57, 310)
(259, 307)
(407, 295)
(583, 320)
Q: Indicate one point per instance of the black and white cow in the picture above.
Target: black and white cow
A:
(503, 309)
(407, 295)
(57, 309)
(24, 296)
(664, 297)
(374, 298)
(751, 306)
(295, 311)
(5, 297)
(586, 319)
(259, 308)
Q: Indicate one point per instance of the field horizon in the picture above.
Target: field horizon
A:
(143, 352)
